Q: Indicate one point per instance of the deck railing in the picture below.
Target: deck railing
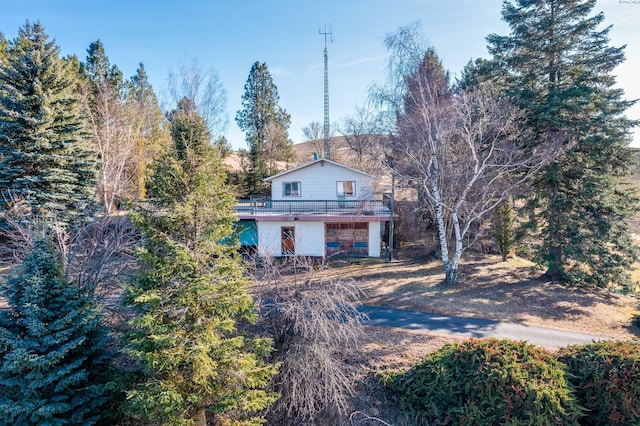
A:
(353, 207)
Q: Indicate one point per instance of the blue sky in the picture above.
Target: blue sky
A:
(230, 35)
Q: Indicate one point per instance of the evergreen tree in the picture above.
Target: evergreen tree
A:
(4, 46)
(265, 125)
(152, 137)
(476, 72)
(503, 228)
(557, 65)
(99, 69)
(191, 292)
(52, 345)
(44, 157)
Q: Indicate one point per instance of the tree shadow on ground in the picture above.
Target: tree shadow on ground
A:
(489, 288)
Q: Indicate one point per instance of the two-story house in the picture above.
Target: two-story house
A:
(320, 208)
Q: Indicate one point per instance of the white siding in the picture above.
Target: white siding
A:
(318, 182)
(374, 238)
(269, 242)
(309, 237)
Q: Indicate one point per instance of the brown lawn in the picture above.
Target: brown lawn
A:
(489, 288)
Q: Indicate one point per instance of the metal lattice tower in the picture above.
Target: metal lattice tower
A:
(327, 148)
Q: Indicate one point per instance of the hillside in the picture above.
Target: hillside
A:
(362, 152)
(365, 154)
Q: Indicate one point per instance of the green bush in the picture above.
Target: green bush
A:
(486, 382)
(606, 379)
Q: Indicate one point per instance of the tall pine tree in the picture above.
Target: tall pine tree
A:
(557, 64)
(152, 138)
(191, 292)
(51, 345)
(99, 69)
(265, 125)
(44, 156)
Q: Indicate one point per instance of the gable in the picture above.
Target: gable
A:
(321, 180)
(321, 163)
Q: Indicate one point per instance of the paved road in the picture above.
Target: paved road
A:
(472, 327)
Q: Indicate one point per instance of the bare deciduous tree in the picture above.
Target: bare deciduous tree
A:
(98, 255)
(314, 323)
(115, 140)
(407, 49)
(363, 139)
(312, 131)
(465, 153)
(15, 234)
(204, 88)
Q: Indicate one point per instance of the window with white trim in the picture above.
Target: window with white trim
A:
(291, 189)
(346, 188)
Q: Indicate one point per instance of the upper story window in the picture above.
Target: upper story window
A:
(346, 188)
(291, 189)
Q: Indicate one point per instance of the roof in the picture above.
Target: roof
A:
(312, 163)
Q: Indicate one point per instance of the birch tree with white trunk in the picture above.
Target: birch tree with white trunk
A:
(465, 153)
(115, 140)
(115, 134)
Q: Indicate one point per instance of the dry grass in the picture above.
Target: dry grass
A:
(489, 288)
(383, 349)
(509, 291)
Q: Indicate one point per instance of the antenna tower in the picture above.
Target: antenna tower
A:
(327, 150)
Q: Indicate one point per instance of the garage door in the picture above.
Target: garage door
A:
(347, 238)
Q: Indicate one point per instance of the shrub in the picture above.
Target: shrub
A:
(315, 325)
(54, 369)
(486, 382)
(606, 379)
